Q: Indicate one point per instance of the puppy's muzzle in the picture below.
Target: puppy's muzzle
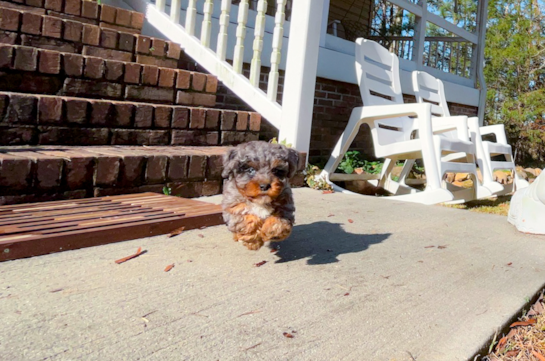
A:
(265, 187)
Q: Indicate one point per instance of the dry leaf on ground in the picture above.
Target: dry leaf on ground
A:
(169, 267)
(125, 259)
(176, 232)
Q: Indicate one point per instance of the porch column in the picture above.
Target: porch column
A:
(300, 77)
(482, 16)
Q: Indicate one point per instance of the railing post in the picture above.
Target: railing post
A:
(300, 78)
(420, 36)
(482, 14)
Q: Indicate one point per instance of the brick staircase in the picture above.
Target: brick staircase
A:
(89, 107)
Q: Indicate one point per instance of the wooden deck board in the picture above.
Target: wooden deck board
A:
(28, 230)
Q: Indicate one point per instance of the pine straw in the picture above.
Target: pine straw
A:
(523, 342)
(498, 206)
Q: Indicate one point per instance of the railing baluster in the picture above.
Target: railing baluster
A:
(206, 28)
(175, 7)
(238, 56)
(276, 55)
(255, 68)
(160, 4)
(224, 27)
(190, 17)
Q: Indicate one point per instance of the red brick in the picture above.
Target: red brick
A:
(210, 188)
(72, 7)
(52, 27)
(212, 119)
(101, 111)
(187, 189)
(31, 23)
(207, 100)
(114, 70)
(107, 170)
(35, 3)
(197, 167)
(198, 81)
(214, 166)
(137, 20)
(76, 111)
(123, 17)
(48, 169)
(89, 9)
(14, 171)
(126, 42)
(9, 19)
(108, 39)
(122, 115)
(91, 35)
(72, 64)
(174, 50)
(6, 56)
(166, 77)
(26, 59)
(49, 62)
(92, 88)
(143, 116)
(132, 169)
(156, 168)
(94, 68)
(79, 170)
(180, 118)
(107, 14)
(211, 84)
(184, 98)
(198, 118)
(161, 117)
(132, 73)
(157, 47)
(228, 120)
(242, 121)
(19, 135)
(7, 37)
(255, 122)
(177, 167)
(183, 79)
(152, 60)
(150, 94)
(50, 110)
(107, 53)
(73, 30)
(55, 5)
(143, 44)
(150, 75)
(47, 43)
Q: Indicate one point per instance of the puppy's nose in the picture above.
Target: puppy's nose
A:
(264, 187)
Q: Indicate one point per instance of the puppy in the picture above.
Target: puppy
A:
(257, 198)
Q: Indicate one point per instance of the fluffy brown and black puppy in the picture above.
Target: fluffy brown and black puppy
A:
(257, 198)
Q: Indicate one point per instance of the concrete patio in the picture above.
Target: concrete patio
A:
(371, 289)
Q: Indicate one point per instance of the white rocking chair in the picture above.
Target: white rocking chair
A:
(402, 131)
(429, 89)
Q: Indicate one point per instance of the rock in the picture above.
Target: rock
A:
(531, 172)
(450, 177)
(521, 173)
(468, 183)
(502, 177)
(537, 172)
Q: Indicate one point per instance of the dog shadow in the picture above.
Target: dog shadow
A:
(323, 242)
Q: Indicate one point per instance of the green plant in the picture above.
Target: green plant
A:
(167, 191)
(313, 179)
(353, 160)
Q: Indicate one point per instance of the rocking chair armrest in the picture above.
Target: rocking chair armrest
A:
(447, 124)
(497, 129)
(376, 112)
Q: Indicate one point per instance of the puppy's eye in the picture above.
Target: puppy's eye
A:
(280, 173)
(247, 169)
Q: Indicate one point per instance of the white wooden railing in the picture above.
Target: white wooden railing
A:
(189, 22)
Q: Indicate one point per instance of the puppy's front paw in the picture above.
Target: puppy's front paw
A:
(253, 246)
(276, 229)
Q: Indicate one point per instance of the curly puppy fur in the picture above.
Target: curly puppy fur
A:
(257, 198)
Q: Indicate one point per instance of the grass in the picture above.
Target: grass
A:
(498, 206)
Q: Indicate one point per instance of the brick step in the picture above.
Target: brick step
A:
(44, 119)
(30, 70)
(35, 174)
(89, 12)
(48, 32)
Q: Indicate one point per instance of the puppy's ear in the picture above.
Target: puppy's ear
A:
(293, 161)
(229, 162)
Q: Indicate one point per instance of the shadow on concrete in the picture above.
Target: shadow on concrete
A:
(323, 242)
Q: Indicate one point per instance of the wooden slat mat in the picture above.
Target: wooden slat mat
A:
(35, 229)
